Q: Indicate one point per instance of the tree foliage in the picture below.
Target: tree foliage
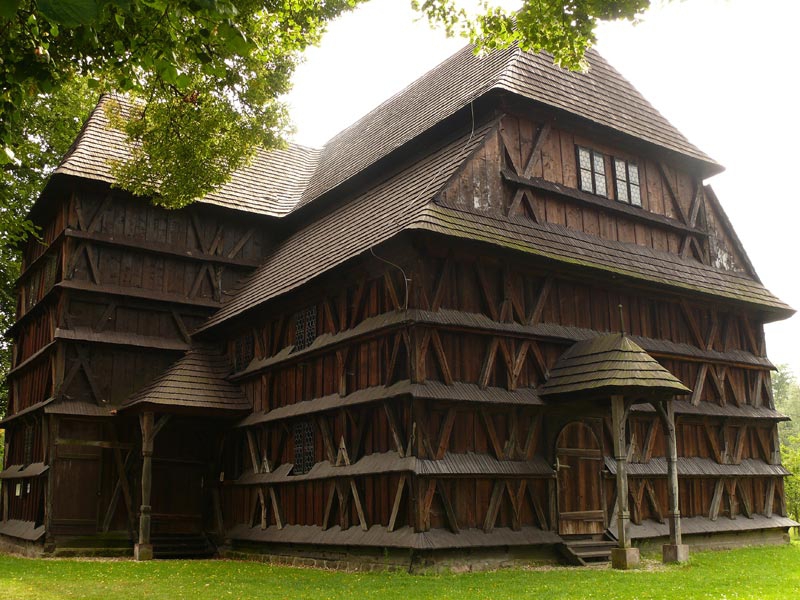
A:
(203, 78)
(786, 391)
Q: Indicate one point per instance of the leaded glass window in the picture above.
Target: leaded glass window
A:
(243, 351)
(305, 327)
(303, 447)
(626, 182)
(592, 171)
(27, 446)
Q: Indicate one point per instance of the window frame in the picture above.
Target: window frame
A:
(304, 447)
(305, 327)
(244, 351)
(594, 156)
(628, 184)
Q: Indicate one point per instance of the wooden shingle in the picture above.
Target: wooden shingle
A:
(195, 383)
(609, 364)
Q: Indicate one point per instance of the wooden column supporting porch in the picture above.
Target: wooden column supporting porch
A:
(625, 556)
(143, 550)
(675, 551)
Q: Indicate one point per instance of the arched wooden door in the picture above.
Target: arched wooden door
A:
(579, 461)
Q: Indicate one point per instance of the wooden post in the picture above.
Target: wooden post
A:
(675, 551)
(144, 549)
(623, 557)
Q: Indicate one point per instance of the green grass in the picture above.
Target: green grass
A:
(772, 572)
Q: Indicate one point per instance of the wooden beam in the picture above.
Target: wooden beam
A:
(398, 496)
(673, 196)
(541, 135)
(716, 500)
(450, 514)
(488, 363)
(494, 506)
(492, 433)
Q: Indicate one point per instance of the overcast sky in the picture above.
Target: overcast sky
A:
(723, 71)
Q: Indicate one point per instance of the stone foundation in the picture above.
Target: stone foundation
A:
(28, 549)
(393, 559)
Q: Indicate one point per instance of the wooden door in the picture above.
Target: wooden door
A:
(579, 461)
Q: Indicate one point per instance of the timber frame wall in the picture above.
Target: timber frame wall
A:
(107, 300)
(415, 401)
(448, 381)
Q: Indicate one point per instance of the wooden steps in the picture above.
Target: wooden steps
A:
(182, 546)
(584, 550)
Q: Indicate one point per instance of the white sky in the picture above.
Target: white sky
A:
(722, 71)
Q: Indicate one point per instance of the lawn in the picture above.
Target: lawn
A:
(745, 573)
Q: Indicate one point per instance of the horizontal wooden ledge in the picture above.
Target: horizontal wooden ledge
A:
(159, 248)
(120, 339)
(703, 525)
(403, 537)
(607, 204)
(709, 409)
(23, 530)
(39, 259)
(476, 322)
(452, 465)
(432, 390)
(131, 292)
(40, 353)
(700, 467)
(26, 411)
(24, 471)
(582, 515)
(93, 443)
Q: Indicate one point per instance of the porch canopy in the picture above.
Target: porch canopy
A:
(612, 366)
(609, 365)
(195, 386)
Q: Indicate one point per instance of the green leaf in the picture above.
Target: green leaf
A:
(8, 8)
(70, 13)
(7, 156)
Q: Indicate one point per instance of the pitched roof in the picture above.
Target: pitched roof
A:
(196, 382)
(601, 95)
(354, 227)
(557, 242)
(280, 181)
(270, 185)
(609, 364)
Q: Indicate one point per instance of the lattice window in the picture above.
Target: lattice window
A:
(592, 171)
(303, 447)
(27, 445)
(243, 351)
(626, 182)
(305, 327)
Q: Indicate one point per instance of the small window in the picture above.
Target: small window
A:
(303, 447)
(305, 328)
(27, 446)
(243, 351)
(626, 182)
(592, 171)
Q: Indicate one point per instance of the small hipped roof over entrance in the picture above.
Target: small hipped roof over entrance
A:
(607, 365)
(195, 384)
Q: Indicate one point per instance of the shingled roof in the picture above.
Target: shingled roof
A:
(281, 181)
(194, 383)
(374, 217)
(270, 185)
(610, 364)
(600, 95)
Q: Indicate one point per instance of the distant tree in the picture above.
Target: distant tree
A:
(786, 391)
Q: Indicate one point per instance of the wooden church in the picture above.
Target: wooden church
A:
(498, 319)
